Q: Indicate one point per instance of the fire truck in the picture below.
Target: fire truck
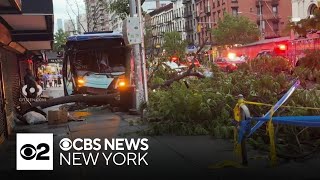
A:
(291, 49)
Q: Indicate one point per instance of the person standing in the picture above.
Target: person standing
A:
(50, 80)
(45, 80)
(55, 80)
(31, 83)
(59, 80)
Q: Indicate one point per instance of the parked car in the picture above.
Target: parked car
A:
(225, 64)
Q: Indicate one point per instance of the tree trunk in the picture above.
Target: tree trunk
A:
(89, 99)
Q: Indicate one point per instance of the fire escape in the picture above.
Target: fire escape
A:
(268, 11)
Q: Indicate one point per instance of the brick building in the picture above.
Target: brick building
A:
(26, 27)
(273, 15)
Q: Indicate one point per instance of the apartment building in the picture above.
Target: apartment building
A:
(179, 14)
(190, 21)
(70, 26)
(161, 22)
(82, 25)
(97, 15)
(271, 16)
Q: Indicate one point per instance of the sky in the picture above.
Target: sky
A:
(61, 8)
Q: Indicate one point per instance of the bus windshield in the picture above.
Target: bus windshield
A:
(99, 56)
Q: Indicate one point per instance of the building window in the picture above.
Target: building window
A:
(275, 9)
(234, 11)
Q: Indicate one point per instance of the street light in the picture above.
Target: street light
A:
(261, 21)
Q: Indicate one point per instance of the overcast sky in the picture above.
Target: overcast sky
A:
(61, 8)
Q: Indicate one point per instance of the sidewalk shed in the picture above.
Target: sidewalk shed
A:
(26, 28)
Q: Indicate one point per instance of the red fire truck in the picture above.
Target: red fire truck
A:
(284, 46)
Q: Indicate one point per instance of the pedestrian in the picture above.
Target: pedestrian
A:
(45, 80)
(31, 83)
(50, 80)
(55, 80)
(59, 80)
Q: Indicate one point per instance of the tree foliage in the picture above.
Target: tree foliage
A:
(60, 38)
(205, 106)
(235, 30)
(120, 8)
(173, 44)
(304, 26)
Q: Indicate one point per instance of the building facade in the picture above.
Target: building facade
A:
(70, 26)
(82, 25)
(190, 21)
(302, 9)
(271, 16)
(116, 22)
(97, 15)
(161, 22)
(179, 14)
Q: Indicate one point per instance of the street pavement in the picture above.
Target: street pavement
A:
(168, 156)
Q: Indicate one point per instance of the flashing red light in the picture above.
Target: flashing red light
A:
(174, 59)
(282, 47)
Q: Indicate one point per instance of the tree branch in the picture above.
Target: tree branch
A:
(74, 26)
(84, 29)
(188, 73)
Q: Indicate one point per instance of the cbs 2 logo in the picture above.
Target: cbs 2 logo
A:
(28, 151)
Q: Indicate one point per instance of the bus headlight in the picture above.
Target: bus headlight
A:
(81, 82)
(121, 82)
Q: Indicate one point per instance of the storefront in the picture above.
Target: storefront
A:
(53, 64)
(26, 28)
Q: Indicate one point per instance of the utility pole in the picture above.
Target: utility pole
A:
(143, 56)
(261, 20)
(139, 93)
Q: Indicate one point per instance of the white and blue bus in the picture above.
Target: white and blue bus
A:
(97, 63)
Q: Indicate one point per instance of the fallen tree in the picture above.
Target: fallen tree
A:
(188, 73)
(80, 98)
(185, 74)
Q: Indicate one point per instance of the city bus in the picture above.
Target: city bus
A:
(97, 64)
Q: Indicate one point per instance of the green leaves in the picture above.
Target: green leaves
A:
(173, 44)
(120, 7)
(60, 38)
(235, 30)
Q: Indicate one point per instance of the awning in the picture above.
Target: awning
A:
(10, 6)
(32, 27)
